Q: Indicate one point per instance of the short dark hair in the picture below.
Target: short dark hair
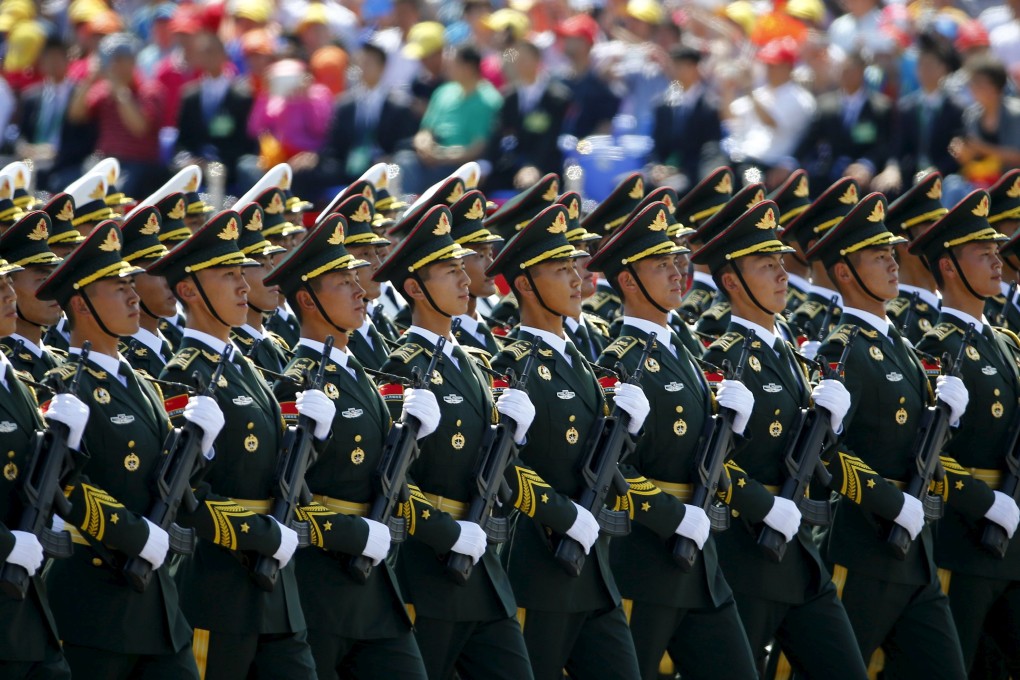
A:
(469, 54)
(990, 68)
(375, 50)
(291, 297)
(936, 46)
(55, 43)
(682, 52)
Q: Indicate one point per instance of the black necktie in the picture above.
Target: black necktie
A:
(586, 343)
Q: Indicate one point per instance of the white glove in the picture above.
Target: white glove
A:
(156, 546)
(694, 525)
(810, 348)
(734, 395)
(951, 390)
(288, 544)
(378, 545)
(834, 397)
(517, 406)
(317, 406)
(784, 517)
(422, 405)
(71, 411)
(471, 542)
(911, 516)
(585, 529)
(206, 413)
(28, 552)
(632, 400)
(1004, 512)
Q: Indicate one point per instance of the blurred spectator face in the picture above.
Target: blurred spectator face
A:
(576, 49)
(685, 72)
(778, 74)
(209, 55)
(930, 71)
(121, 69)
(858, 7)
(985, 91)
(372, 65)
(642, 30)
(161, 34)
(313, 36)
(53, 63)
(405, 14)
(524, 68)
(851, 77)
(433, 63)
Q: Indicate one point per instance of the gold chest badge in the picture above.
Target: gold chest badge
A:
(544, 373)
(997, 410)
(901, 416)
(331, 391)
(131, 462)
(652, 365)
(572, 436)
(437, 379)
(972, 353)
(10, 472)
(924, 324)
(680, 427)
(457, 441)
(776, 428)
(876, 353)
(358, 456)
(754, 364)
(251, 443)
(101, 395)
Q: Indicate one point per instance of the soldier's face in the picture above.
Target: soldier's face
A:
(372, 255)
(342, 294)
(587, 278)
(662, 278)
(765, 277)
(156, 295)
(982, 266)
(475, 266)
(559, 284)
(878, 269)
(34, 310)
(8, 307)
(116, 303)
(261, 296)
(449, 286)
(227, 289)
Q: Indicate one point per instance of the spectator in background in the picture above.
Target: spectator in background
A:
(927, 120)
(458, 121)
(213, 119)
(505, 27)
(971, 43)
(369, 125)
(91, 25)
(768, 124)
(524, 142)
(425, 43)
(55, 146)
(592, 103)
(687, 129)
(990, 144)
(860, 28)
(329, 67)
(402, 63)
(259, 53)
(250, 17)
(161, 40)
(336, 20)
(179, 68)
(849, 135)
(1005, 38)
(126, 111)
(312, 30)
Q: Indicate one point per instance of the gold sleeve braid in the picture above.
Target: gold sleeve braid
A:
(731, 469)
(222, 512)
(97, 504)
(953, 470)
(528, 482)
(318, 518)
(853, 470)
(416, 506)
(639, 486)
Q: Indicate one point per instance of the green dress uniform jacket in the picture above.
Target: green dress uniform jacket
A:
(698, 298)
(795, 297)
(594, 337)
(172, 331)
(371, 355)
(716, 319)
(25, 361)
(488, 344)
(446, 469)
(605, 303)
(269, 352)
(286, 327)
(343, 471)
(807, 319)
(29, 628)
(920, 316)
(217, 591)
(92, 603)
(142, 358)
(56, 337)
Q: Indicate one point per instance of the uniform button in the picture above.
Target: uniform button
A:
(357, 437)
(131, 444)
(96, 562)
(996, 391)
(251, 426)
(458, 423)
(10, 454)
(777, 411)
(573, 418)
(679, 409)
(903, 400)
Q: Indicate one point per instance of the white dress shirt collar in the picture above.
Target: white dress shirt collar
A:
(154, 341)
(554, 341)
(27, 344)
(979, 324)
(879, 323)
(931, 298)
(767, 336)
(706, 279)
(827, 294)
(663, 335)
(215, 344)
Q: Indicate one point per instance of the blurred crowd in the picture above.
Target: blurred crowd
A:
(879, 92)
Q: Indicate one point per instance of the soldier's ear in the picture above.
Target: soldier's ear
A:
(304, 301)
(412, 289)
(186, 291)
(946, 267)
(841, 272)
(625, 280)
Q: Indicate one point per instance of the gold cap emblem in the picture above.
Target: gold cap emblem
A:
(981, 210)
(111, 176)
(151, 225)
(458, 191)
(552, 191)
(255, 223)
(768, 220)
(98, 192)
(849, 196)
(338, 236)
(477, 210)
(20, 181)
(66, 213)
(559, 225)
(802, 190)
(936, 189)
(112, 242)
(758, 197)
(192, 184)
(638, 191)
(178, 211)
(40, 233)
(275, 206)
(363, 214)
(1014, 191)
(660, 223)
(725, 185)
(668, 200)
(230, 232)
(574, 209)
(878, 213)
(443, 227)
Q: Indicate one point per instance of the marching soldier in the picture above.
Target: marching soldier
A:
(353, 629)
(589, 332)
(197, 211)
(109, 170)
(1009, 252)
(1004, 213)
(893, 603)
(29, 645)
(387, 206)
(916, 307)
(143, 634)
(805, 230)
(148, 349)
(669, 609)
(63, 235)
(25, 246)
(240, 629)
(699, 204)
(468, 629)
(90, 208)
(266, 349)
(982, 588)
(9, 212)
(21, 178)
(467, 230)
(792, 198)
(572, 622)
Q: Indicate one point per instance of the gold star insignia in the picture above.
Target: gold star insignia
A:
(111, 243)
(741, 482)
(545, 498)
(327, 526)
(245, 528)
(646, 506)
(425, 514)
(871, 483)
(959, 485)
(114, 518)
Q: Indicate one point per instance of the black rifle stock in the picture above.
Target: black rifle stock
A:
(42, 491)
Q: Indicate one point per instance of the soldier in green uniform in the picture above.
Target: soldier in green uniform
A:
(1009, 251)
(148, 349)
(915, 308)
(793, 197)
(108, 629)
(468, 629)
(468, 230)
(63, 235)
(90, 208)
(699, 204)
(240, 629)
(984, 590)
(572, 622)
(109, 169)
(1004, 213)
(805, 230)
(266, 349)
(359, 630)
(24, 245)
(684, 613)
(792, 601)
(29, 644)
(9, 211)
(893, 603)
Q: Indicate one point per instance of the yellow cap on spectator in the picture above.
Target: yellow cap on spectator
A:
(315, 13)
(741, 13)
(508, 20)
(23, 45)
(648, 11)
(258, 11)
(808, 10)
(424, 39)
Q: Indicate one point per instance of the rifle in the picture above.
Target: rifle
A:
(830, 310)
(489, 478)
(908, 318)
(42, 491)
(994, 538)
(804, 463)
(609, 445)
(183, 459)
(932, 436)
(710, 468)
(399, 450)
(298, 454)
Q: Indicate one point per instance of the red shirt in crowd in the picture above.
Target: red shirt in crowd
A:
(114, 137)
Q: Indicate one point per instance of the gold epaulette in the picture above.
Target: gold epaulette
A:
(406, 352)
(57, 352)
(718, 310)
(841, 334)
(621, 346)
(696, 297)
(65, 372)
(243, 339)
(6, 349)
(809, 309)
(726, 341)
(518, 350)
(183, 359)
(598, 323)
(278, 339)
(23, 376)
(601, 299)
(299, 367)
(897, 306)
(1011, 337)
(942, 331)
(478, 354)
